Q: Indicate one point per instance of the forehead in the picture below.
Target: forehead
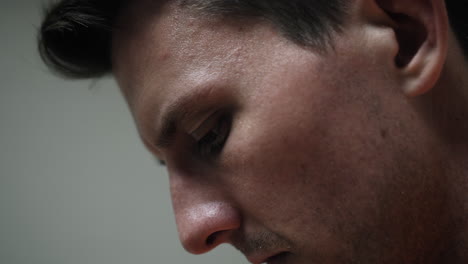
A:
(157, 44)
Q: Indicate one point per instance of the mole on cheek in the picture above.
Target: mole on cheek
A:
(383, 133)
(164, 56)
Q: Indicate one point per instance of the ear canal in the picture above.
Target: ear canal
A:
(411, 34)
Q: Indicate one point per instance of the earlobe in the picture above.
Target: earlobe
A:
(421, 29)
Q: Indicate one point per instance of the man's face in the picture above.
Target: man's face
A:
(276, 148)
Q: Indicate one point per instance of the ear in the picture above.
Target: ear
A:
(421, 30)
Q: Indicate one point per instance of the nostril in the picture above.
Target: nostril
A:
(212, 238)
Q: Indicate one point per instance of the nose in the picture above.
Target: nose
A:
(205, 217)
(204, 226)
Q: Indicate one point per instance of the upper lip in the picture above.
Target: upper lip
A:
(262, 257)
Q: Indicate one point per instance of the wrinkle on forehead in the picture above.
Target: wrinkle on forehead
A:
(165, 45)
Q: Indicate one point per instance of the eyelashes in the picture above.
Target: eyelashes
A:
(212, 135)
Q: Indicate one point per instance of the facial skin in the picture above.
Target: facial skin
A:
(281, 148)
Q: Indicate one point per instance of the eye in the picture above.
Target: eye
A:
(212, 135)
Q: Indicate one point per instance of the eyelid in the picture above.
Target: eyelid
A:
(207, 125)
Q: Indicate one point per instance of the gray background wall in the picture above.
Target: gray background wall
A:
(76, 184)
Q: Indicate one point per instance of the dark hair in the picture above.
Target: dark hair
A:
(75, 37)
(457, 14)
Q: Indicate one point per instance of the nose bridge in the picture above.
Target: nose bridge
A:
(205, 217)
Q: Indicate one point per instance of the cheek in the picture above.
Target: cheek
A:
(316, 150)
(296, 160)
(298, 141)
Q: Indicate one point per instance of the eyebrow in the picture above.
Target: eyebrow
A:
(170, 118)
